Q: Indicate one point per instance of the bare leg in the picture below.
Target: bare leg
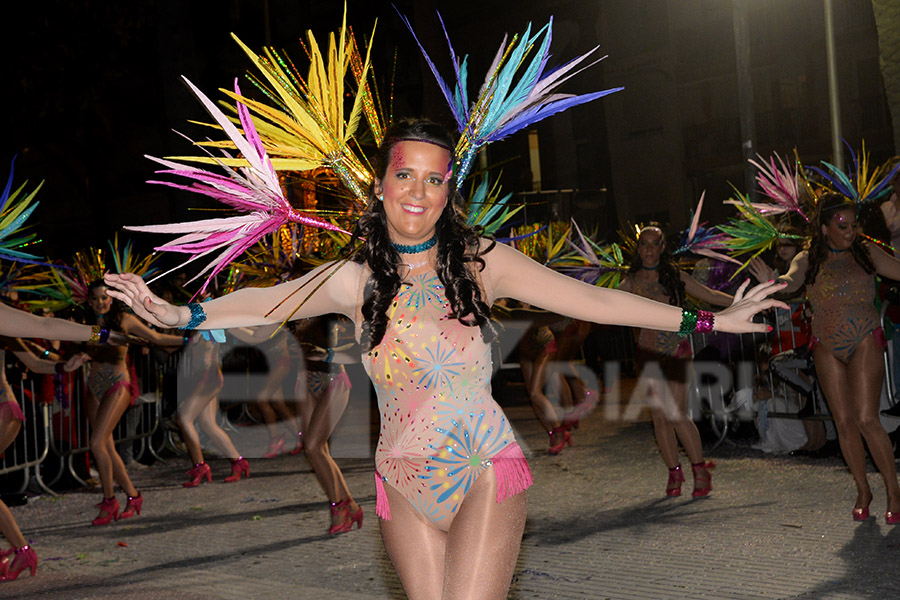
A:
(836, 385)
(866, 371)
(188, 412)
(324, 418)
(483, 543)
(217, 435)
(104, 416)
(9, 429)
(416, 547)
(535, 376)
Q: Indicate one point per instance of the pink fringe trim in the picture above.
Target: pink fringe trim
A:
(11, 410)
(512, 472)
(382, 509)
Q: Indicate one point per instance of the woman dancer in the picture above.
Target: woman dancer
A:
(110, 390)
(21, 555)
(450, 477)
(653, 275)
(838, 270)
(201, 404)
(272, 342)
(324, 389)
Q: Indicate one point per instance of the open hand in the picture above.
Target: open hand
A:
(131, 289)
(738, 318)
(76, 361)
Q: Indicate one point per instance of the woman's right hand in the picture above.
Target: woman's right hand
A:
(131, 289)
(760, 270)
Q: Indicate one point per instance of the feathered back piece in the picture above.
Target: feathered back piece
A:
(307, 129)
(858, 184)
(15, 209)
(780, 183)
(253, 189)
(516, 93)
(752, 232)
(600, 265)
(488, 209)
(126, 260)
(704, 241)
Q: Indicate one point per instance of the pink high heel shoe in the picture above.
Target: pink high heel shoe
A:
(133, 506)
(676, 478)
(559, 437)
(25, 558)
(238, 467)
(891, 518)
(276, 447)
(196, 475)
(109, 511)
(702, 478)
(347, 521)
(299, 447)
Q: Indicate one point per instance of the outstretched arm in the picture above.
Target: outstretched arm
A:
(134, 327)
(18, 323)
(42, 365)
(794, 278)
(249, 306)
(885, 264)
(511, 274)
(703, 293)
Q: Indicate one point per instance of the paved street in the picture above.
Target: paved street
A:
(598, 527)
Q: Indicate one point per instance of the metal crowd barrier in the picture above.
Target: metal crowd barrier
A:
(26, 453)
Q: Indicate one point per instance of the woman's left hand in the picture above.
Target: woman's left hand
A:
(76, 361)
(738, 318)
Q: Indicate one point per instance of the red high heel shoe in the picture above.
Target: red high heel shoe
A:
(347, 520)
(702, 478)
(891, 518)
(133, 506)
(237, 467)
(276, 447)
(109, 511)
(196, 474)
(559, 437)
(299, 447)
(25, 558)
(676, 478)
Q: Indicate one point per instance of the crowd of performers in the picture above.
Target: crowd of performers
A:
(413, 261)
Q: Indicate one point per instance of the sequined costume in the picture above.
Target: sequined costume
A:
(662, 344)
(843, 303)
(109, 371)
(9, 408)
(440, 427)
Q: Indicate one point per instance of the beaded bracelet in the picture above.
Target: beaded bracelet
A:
(688, 322)
(198, 315)
(705, 321)
(696, 321)
(104, 335)
(95, 335)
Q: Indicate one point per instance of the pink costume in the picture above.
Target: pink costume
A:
(9, 408)
(109, 371)
(843, 303)
(440, 427)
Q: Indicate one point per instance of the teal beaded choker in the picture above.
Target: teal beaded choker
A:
(404, 249)
(650, 268)
(835, 250)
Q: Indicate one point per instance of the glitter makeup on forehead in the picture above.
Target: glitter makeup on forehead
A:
(397, 160)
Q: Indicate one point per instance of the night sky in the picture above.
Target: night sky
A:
(94, 85)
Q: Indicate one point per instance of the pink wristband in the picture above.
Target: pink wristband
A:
(705, 321)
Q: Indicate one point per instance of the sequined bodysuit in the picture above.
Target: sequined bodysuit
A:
(843, 303)
(660, 343)
(440, 426)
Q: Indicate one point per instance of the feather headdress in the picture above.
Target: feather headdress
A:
(752, 232)
(780, 183)
(516, 92)
(858, 184)
(600, 265)
(253, 189)
(704, 241)
(15, 209)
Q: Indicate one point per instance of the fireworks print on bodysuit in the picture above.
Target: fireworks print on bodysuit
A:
(440, 426)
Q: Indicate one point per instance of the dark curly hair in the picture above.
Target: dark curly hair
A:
(829, 205)
(669, 276)
(112, 319)
(458, 247)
